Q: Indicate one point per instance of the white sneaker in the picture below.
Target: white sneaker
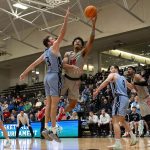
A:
(7, 143)
(116, 147)
(147, 133)
(133, 141)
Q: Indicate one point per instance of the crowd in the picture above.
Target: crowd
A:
(96, 112)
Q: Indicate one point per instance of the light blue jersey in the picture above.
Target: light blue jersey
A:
(119, 87)
(53, 79)
(119, 91)
(53, 62)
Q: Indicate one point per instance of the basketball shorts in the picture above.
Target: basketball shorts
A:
(120, 105)
(72, 87)
(53, 84)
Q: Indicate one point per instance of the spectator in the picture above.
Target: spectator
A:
(13, 119)
(20, 107)
(32, 117)
(106, 106)
(104, 123)
(61, 115)
(136, 104)
(134, 119)
(77, 108)
(74, 116)
(93, 122)
(27, 106)
(11, 106)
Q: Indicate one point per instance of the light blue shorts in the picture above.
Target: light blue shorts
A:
(53, 84)
(120, 106)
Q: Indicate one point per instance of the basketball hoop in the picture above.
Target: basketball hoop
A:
(55, 3)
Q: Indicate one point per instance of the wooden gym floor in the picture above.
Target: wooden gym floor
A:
(73, 144)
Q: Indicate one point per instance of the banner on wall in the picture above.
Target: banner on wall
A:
(24, 131)
(68, 128)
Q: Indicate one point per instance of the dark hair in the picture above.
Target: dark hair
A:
(45, 41)
(78, 38)
(134, 107)
(115, 66)
(132, 68)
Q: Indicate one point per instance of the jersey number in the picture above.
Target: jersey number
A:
(123, 82)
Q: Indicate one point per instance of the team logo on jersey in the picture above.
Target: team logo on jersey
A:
(73, 61)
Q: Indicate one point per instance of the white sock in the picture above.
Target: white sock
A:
(46, 126)
(54, 130)
(117, 141)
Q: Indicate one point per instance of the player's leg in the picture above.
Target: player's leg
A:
(116, 126)
(47, 111)
(54, 105)
(72, 104)
(123, 106)
(117, 133)
(128, 129)
(7, 142)
(73, 94)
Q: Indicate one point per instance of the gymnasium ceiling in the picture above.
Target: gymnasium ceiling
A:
(134, 41)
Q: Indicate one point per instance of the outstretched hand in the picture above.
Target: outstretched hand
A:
(68, 12)
(22, 77)
(94, 20)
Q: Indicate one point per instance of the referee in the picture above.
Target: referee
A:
(22, 119)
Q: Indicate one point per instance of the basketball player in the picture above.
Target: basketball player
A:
(120, 106)
(142, 91)
(52, 81)
(73, 64)
(7, 142)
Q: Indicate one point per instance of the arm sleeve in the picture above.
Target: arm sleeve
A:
(141, 83)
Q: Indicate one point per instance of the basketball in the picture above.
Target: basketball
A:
(90, 11)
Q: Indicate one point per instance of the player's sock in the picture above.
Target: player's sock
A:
(46, 126)
(54, 130)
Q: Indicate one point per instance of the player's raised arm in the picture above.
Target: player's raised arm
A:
(62, 33)
(89, 43)
(104, 84)
(31, 67)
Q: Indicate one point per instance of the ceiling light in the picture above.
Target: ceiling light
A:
(21, 6)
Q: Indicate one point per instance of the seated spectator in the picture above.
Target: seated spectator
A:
(134, 119)
(20, 107)
(93, 123)
(18, 98)
(24, 98)
(61, 102)
(32, 118)
(77, 108)
(14, 113)
(105, 105)
(104, 123)
(27, 106)
(136, 104)
(11, 106)
(85, 94)
(74, 116)
(13, 119)
(61, 115)
(5, 105)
